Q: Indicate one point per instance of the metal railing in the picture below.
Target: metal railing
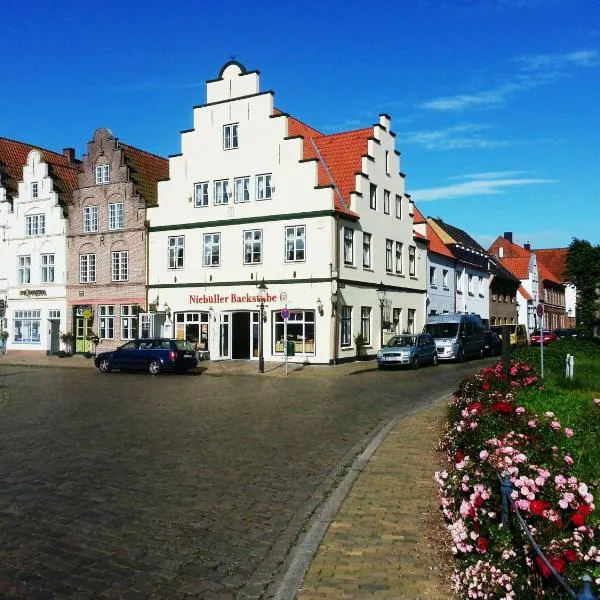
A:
(506, 489)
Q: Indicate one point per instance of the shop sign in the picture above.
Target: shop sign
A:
(33, 293)
(84, 311)
(231, 298)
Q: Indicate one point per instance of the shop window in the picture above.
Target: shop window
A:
(106, 321)
(27, 326)
(300, 331)
(193, 327)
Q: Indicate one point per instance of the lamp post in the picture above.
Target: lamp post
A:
(262, 288)
(381, 298)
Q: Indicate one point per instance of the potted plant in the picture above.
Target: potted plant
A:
(93, 337)
(67, 339)
(4, 335)
(360, 343)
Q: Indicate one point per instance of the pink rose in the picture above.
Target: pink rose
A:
(519, 410)
(568, 432)
(555, 425)
(568, 459)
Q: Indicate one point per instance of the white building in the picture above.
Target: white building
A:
(36, 188)
(256, 195)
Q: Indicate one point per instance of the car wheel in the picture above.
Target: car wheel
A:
(154, 367)
(461, 355)
(482, 353)
(415, 364)
(104, 366)
(380, 367)
(435, 360)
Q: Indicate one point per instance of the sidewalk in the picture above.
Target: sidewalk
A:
(387, 541)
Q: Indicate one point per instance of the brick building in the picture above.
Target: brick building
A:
(107, 241)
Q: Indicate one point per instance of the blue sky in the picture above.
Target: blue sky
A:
(495, 103)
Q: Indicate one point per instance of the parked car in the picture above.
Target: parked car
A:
(561, 333)
(408, 349)
(493, 343)
(518, 334)
(153, 355)
(457, 335)
(549, 337)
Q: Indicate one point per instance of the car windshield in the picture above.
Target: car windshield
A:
(442, 330)
(184, 345)
(402, 341)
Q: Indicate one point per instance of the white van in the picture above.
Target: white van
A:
(457, 335)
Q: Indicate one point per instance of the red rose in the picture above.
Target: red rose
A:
(458, 457)
(482, 544)
(504, 408)
(570, 555)
(585, 510)
(485, 386)
(537, 507)
(578, 519)
(559, 564)
(475, 407)
(478, 501)
(541, 565)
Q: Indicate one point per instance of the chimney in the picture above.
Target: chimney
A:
(69, 153)
(508, 236)
(527, 246)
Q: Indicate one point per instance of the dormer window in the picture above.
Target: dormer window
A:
(230, 136)
(34, 189)
(102, 174)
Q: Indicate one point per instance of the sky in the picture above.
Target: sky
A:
(495, 103)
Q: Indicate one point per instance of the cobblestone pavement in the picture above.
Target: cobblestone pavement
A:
(128, 486)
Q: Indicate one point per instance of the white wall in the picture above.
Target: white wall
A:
(441, 298)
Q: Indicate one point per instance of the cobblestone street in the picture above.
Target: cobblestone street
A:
(129, 486)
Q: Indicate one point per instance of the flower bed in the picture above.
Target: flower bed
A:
(488, 435)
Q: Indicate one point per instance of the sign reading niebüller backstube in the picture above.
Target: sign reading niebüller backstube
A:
(231, 298)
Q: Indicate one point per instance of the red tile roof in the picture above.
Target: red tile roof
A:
(545, 273)
(435, 243)
(519, 267)
(13, 157)
(524, 293)
(511, 250)
(555, 259)
(417, 216)
(145, 170)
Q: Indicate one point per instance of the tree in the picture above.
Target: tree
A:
(583, 271)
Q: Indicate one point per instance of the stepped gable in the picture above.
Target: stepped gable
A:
(13, 157)
(145, 170)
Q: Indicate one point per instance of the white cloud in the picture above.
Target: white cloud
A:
(485, 186)
(490, 175)
(453, 138)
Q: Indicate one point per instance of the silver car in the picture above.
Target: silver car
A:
(408, 349)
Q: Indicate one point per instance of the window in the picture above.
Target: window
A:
(412, 263)
(106, 322)
(35, 225)
(87, 268)
(346, 327)
(398, 207)
(128, 317)
(230, 136)
(480, 286)
(24, 268)
(201, 194)
(445, 278)
(252, 246)
(397, 319)
(386, 202)
(410, 323)
(387, 162)
(47, 261)
(115, 216)
(300, 331)
(176, 251)
(102, 174)
(365, 323)
(373, 197)
(295, 243)
(34, 189)
(241, 187)
(212, 249)
(459, 282)
(120, 267)
(27, 326)
(222, 191)
(90, 219)
(399, 258)
(264, 189)
(470, 284)
(432, 276)
(388, 255)
(348, 246)
(366, 250)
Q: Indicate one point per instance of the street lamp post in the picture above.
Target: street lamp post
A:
(381, 298)
(262, 288)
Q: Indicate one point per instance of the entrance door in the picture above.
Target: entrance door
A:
(54, 341)
(83, 328)
(224, 335)
(240, 335)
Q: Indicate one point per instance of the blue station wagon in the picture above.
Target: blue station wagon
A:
(153, 355)
(408, 349)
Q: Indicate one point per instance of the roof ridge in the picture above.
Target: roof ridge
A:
(124, 145)
(339, 133)
(42, 149)
(301, 122)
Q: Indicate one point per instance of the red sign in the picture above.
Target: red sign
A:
(285, 313)
(233, 298)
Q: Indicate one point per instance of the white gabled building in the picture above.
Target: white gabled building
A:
(35, 188)
(256, 195)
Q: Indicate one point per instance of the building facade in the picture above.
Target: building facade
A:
(269, 230)
(107, 241)
(35, 197)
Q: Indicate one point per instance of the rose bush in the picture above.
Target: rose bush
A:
(489, 434)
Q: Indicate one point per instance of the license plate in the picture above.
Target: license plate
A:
(187, 355)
